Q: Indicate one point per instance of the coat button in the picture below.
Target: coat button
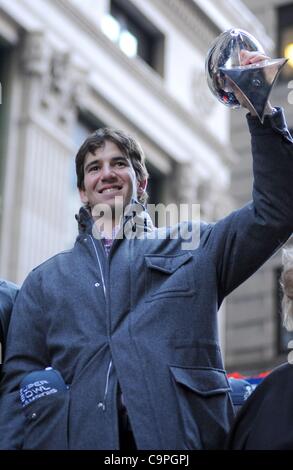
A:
(97, 284)
(34, 415)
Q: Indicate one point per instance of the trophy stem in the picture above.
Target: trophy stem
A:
(253, 83)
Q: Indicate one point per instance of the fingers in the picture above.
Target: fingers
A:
(258, 58)
(249, 57)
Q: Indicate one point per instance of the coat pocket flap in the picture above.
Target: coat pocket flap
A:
(166, 264)
(204, 381)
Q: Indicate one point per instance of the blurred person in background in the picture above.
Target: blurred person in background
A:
(265, 420)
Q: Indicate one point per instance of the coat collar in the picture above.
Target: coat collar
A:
(136, 221)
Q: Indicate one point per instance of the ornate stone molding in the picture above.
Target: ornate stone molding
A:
(66, 84)
(36, 54)
(58, 84)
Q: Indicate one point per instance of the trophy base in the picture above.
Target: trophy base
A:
(253, 83)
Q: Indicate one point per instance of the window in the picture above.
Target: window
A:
(155, 185)
(86, 124)
(285, 38)
(134, 34)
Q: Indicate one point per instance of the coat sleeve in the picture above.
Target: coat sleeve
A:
(25, 352)
(240, 243)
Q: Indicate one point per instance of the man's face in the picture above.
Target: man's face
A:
(109, 174)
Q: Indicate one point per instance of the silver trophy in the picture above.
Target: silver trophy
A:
(228, 79)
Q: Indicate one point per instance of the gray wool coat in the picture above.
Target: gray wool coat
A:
(144, 317)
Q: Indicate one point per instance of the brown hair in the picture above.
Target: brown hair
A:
(128, 146)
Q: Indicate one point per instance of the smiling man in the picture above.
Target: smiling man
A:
(128, 324)
(107, 179)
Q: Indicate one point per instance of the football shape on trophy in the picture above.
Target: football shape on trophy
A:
(228, 79)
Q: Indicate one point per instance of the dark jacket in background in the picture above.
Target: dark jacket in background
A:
(265, 420)
(144, 317)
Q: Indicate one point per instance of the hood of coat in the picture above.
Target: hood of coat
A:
(136, 221)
